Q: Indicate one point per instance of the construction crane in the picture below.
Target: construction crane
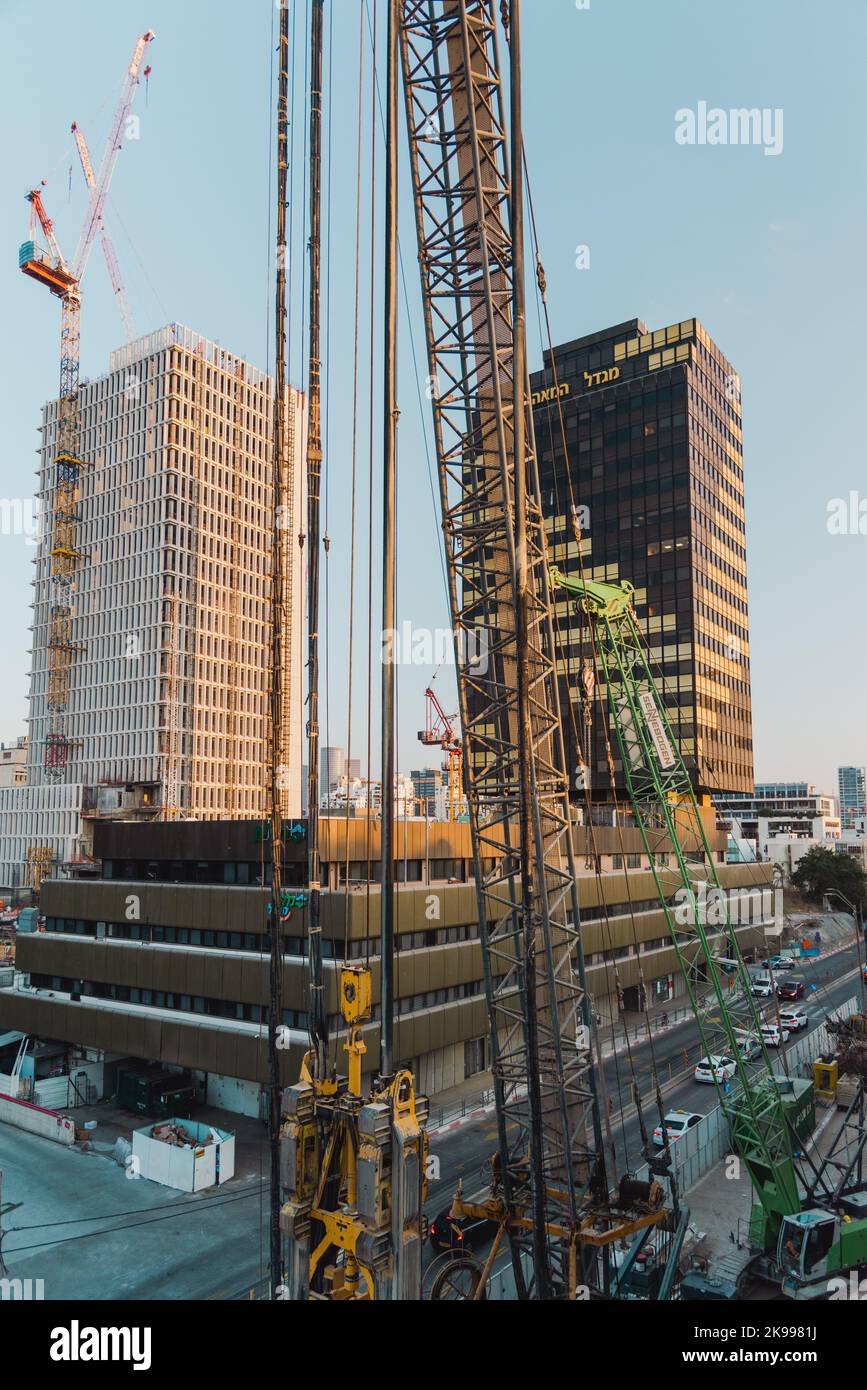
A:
(354, 1159)
(550, 1194)
(49, 267)
(108, 250)
(440, 732)
(806, 1243)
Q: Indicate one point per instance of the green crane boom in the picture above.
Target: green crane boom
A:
(697, 910)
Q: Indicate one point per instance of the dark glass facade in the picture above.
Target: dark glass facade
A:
(646, 426)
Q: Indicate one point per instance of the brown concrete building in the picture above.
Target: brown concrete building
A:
(165, 958)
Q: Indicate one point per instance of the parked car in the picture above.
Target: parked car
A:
(677, 1123)
(794, 1019)
(446, 1232)
(779, 963)
(773, 1036)
(792, 988)
(712, 1069)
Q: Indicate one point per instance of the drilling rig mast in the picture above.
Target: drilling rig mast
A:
(550, 1180)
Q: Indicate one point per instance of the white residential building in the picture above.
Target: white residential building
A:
(171, 601)
(13, 763)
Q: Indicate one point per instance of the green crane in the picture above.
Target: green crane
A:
(809, 1245)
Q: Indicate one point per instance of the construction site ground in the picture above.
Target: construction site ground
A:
(720, 1205)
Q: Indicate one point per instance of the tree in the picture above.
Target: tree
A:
(821, 870)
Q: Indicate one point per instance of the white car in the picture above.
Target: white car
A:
(711, 1069)
(677, 1123)
(794, 1019)
(762, 987)
(773, 1036)
(749, 1047)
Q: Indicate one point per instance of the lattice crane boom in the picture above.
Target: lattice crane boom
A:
(551, 1165)
(99, 190)
(696, 908)
(108, 250)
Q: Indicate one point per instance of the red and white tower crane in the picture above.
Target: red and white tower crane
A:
(440, 731)
(48, 265)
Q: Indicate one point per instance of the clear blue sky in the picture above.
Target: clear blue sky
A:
(766, 251)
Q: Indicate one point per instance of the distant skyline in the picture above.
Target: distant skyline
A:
(766, 251)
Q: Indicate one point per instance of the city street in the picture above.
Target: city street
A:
(462, 1152)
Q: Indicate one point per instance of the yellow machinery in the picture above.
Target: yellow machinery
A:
(354, 1169)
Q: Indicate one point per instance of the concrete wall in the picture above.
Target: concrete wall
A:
(35, 1120)
(229, 1093)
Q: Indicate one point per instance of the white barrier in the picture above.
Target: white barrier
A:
(36, 1120)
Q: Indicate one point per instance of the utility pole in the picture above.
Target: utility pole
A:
(386, 933)
(318, 1022)
(278, 749)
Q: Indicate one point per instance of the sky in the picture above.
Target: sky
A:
(766, 248)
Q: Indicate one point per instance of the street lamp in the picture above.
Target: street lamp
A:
(858, 914)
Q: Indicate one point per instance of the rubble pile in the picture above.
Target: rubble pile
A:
(179, 1137)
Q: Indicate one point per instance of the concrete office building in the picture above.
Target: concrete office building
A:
(778, 808)
(332, 766)
(170, 601)
(165, 956)
(650, 454)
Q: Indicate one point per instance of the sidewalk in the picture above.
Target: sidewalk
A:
(458, 1105)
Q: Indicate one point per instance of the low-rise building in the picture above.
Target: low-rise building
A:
(13, 763)
(165, 957)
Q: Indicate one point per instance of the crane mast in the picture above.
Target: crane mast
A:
(550, 1161)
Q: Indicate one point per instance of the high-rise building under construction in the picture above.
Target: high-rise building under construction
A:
(169, 649)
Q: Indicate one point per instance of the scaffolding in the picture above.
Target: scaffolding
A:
(40, 860)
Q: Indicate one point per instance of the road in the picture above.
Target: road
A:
(462, 1153)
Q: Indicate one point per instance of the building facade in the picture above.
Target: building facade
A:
(798, 809)
(639, 442)
(171, 629)
(165, 956)
(13, 763)
(852, 782)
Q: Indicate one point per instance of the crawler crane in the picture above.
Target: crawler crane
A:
(811, 1237)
